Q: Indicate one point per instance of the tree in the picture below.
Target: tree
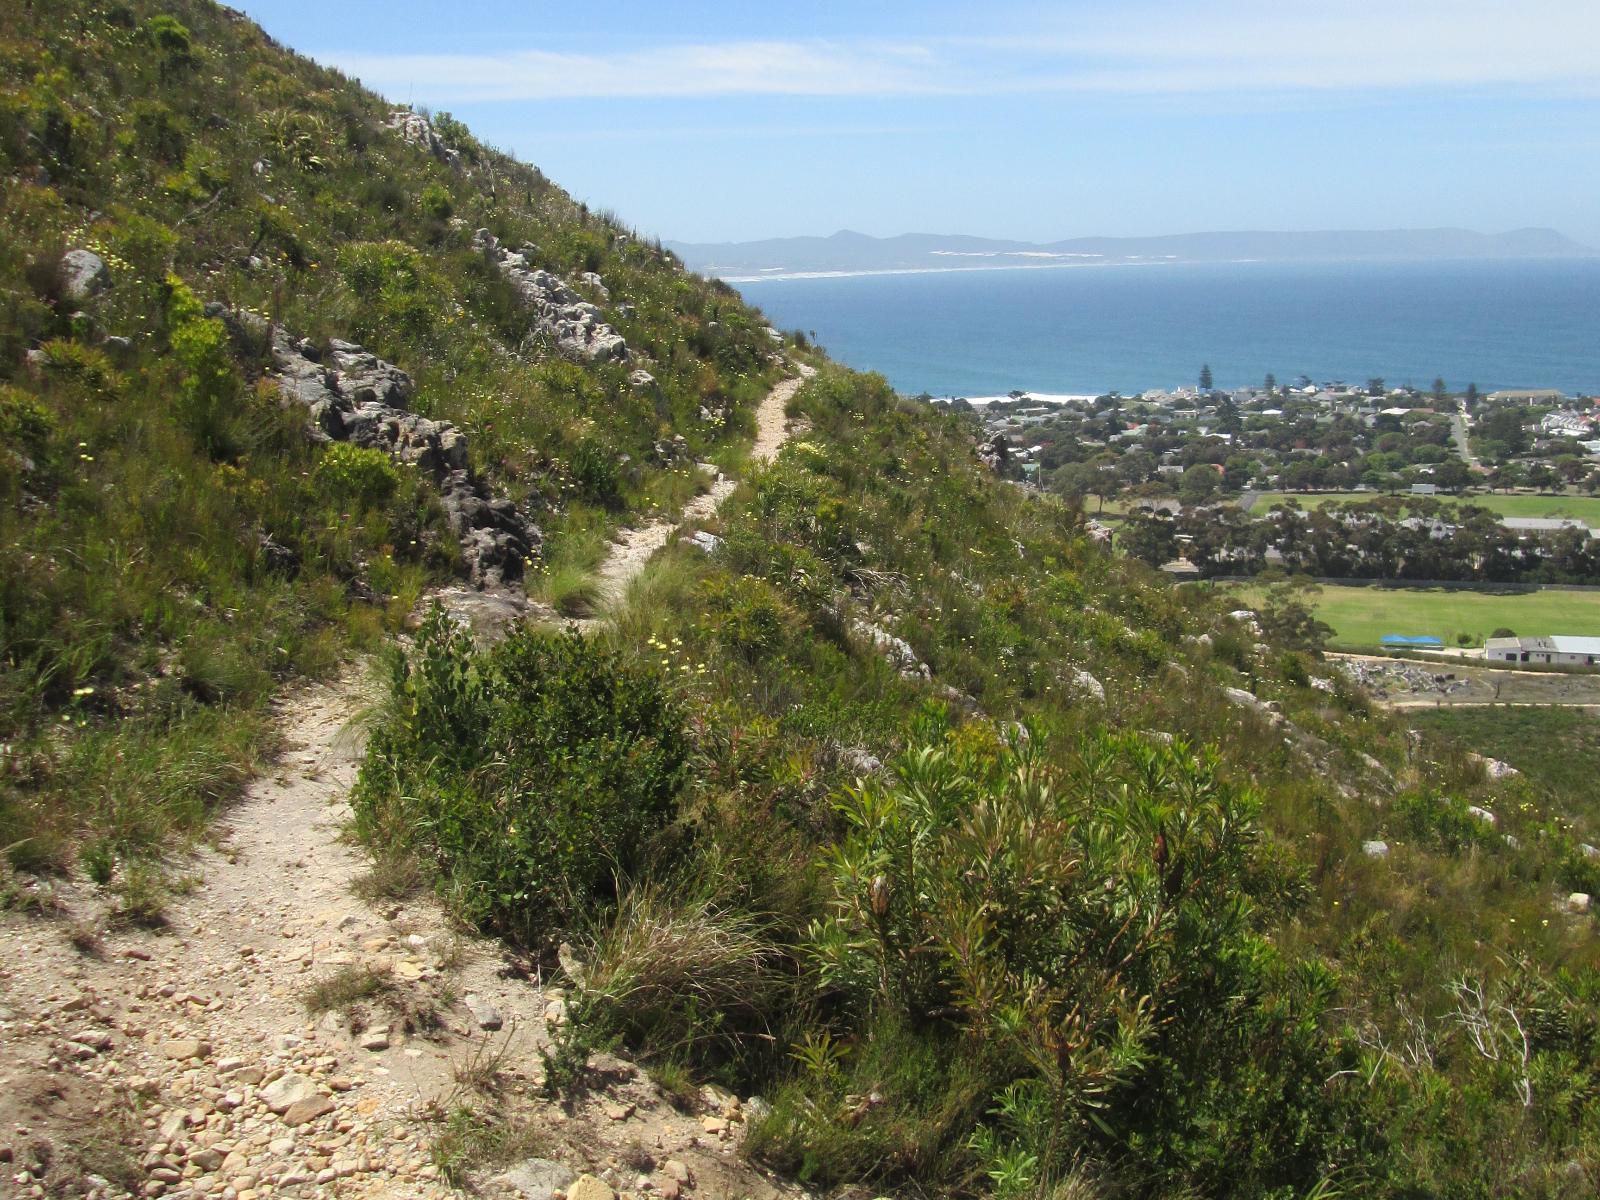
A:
(1199, 484)
(1471, 395)
(1439, 392)
(1151, 538)
(1272, 383)
(1205, 377)
(1375, 386)
(1453, 476)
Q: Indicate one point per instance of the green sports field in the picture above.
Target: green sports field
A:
(1580, 508)
(1360, 616)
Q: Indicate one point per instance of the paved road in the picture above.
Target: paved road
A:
(1458, 432)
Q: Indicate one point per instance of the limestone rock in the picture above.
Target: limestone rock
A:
(1375, 849)
(537, 1178)
(185, 1048)
(84, 274)
(307, 1110)
(1483, 814)
(360, 398)
(485, 1014)
(286, 1091)
(1579, 902)
(1087, 684)
(896, 650)
(587, 1187)
(418, 131)
(559, 313)
(1494, 768)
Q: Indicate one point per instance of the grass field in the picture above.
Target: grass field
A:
(1360, 616)
(1581, 508)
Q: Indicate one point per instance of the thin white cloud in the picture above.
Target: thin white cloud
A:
(1157, 47)
(709, 69)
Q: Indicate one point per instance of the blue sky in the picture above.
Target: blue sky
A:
(704, 122)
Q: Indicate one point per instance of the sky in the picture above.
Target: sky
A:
(1035, 121)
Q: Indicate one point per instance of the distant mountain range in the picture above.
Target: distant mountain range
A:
(846, 251)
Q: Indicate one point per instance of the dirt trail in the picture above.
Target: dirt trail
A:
(638, 546)
(183, 1061)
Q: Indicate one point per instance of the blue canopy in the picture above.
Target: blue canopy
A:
(1401, 639)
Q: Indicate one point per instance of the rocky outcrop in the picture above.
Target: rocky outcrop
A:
(559, 312)
(357, 397)
(415, 129)
(896, 650)
(83, 274)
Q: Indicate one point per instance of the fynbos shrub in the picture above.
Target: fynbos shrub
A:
(529, 775)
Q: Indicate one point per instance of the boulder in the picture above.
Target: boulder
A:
(83, 274)
(1375, 849)
(1483, 814)
(537, 1178)
(284, 1092)
(896, 650)
(588, 1187)
(485, 1014)
(1579, 902)
(1088, 685)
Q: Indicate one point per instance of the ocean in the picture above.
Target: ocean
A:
(1085, 330)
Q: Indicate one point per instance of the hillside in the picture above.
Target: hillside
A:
(848, 251)
(853, 821)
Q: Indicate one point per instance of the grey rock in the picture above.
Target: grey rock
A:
(537, 1178)
(417, 130)
(84, 274)
(1375, 849)
(485, 1014)
(360, 398)
(859, 762)
(1088, 685)
(1494, 768)
(286, 1091)
(559, 312)
(641, 379)
(1579, 902)
(705, 541)
(1483, 814)
(896, 650)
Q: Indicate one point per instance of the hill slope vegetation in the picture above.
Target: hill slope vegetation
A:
(996, 864)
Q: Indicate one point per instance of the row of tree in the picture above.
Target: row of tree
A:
(1365, 541)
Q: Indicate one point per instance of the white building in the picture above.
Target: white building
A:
(1555, 651)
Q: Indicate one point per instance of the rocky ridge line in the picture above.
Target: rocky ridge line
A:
(361, 399)
(559, 312)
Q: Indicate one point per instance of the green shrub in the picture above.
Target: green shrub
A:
(356, 475)
(529, 775)
(435, 202)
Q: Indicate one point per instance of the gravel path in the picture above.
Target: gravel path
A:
(184, 1062)
(636, 547)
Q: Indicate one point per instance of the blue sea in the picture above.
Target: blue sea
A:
(1085, 330)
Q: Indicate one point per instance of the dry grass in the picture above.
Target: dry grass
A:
(664, 965)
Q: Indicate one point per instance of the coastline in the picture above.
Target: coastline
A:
(780, 274)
